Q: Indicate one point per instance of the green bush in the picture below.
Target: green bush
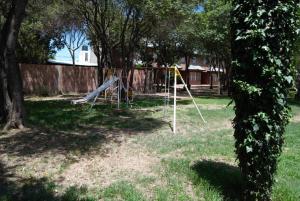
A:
(263, 34)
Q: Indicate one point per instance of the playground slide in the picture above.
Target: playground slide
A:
(96, 92)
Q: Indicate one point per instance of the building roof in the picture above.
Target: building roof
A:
(197, 67)
(53, 61)
(200, 68)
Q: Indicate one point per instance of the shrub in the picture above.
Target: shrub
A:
(263, 36)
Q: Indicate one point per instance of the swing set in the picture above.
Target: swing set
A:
(114, 84)
(176, 73)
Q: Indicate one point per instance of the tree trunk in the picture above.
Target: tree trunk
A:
(211, 80)
(99, 66)
(11, 82)
(228, 77)
(187, 71)
(298, 88)
(145, 81)
(2, 110)
(100, 72)
(157, 80)
(73, 58)
(131, 77)
(125, 83)
(220, 82)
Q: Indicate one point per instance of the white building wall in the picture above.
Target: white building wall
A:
(87, 56)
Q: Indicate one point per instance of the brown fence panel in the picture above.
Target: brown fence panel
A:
(39, 79)
(63, 79)
(78, 79)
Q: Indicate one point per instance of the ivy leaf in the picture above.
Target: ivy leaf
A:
(268, 137)
(266, 48)
(278, 62)
(239, 38)
(289, 79)
(255, 127)
(249, 149)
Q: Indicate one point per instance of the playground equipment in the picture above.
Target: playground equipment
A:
(167, 93)
(95, 94)
(115, 84)
(110, 86)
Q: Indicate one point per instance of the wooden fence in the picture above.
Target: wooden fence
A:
(63, 79)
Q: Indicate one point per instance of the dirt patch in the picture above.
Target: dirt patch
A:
(125, 161)
(51, 98)
(203, 106)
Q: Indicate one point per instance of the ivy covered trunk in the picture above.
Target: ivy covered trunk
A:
(263, 36)
(298, 86)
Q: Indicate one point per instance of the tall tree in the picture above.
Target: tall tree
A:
(100, 16)
(168, 34)
(214, 32)
(73, 39)
(115, 29)
(11, 82)
(172, 32)
(40, 33)
(136, 23)
(264, 33)
(187, 40)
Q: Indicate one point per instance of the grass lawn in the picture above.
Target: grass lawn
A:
(74, 153)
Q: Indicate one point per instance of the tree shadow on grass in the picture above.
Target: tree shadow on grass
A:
(36, 189)
(63, 116)
(222, 176)
(35, 141)
(61, 128)
(294, 102)
(4, 183)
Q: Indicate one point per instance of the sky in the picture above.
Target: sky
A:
(64, 55)
(199, 9)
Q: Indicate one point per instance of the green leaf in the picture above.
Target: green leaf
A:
(268, 137)
(249, 149)
(289, 79)
(255, 127)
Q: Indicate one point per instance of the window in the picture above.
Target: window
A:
(193, 76)
(194, 61)
(85, 48)
(86, 57)
(198, 77)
